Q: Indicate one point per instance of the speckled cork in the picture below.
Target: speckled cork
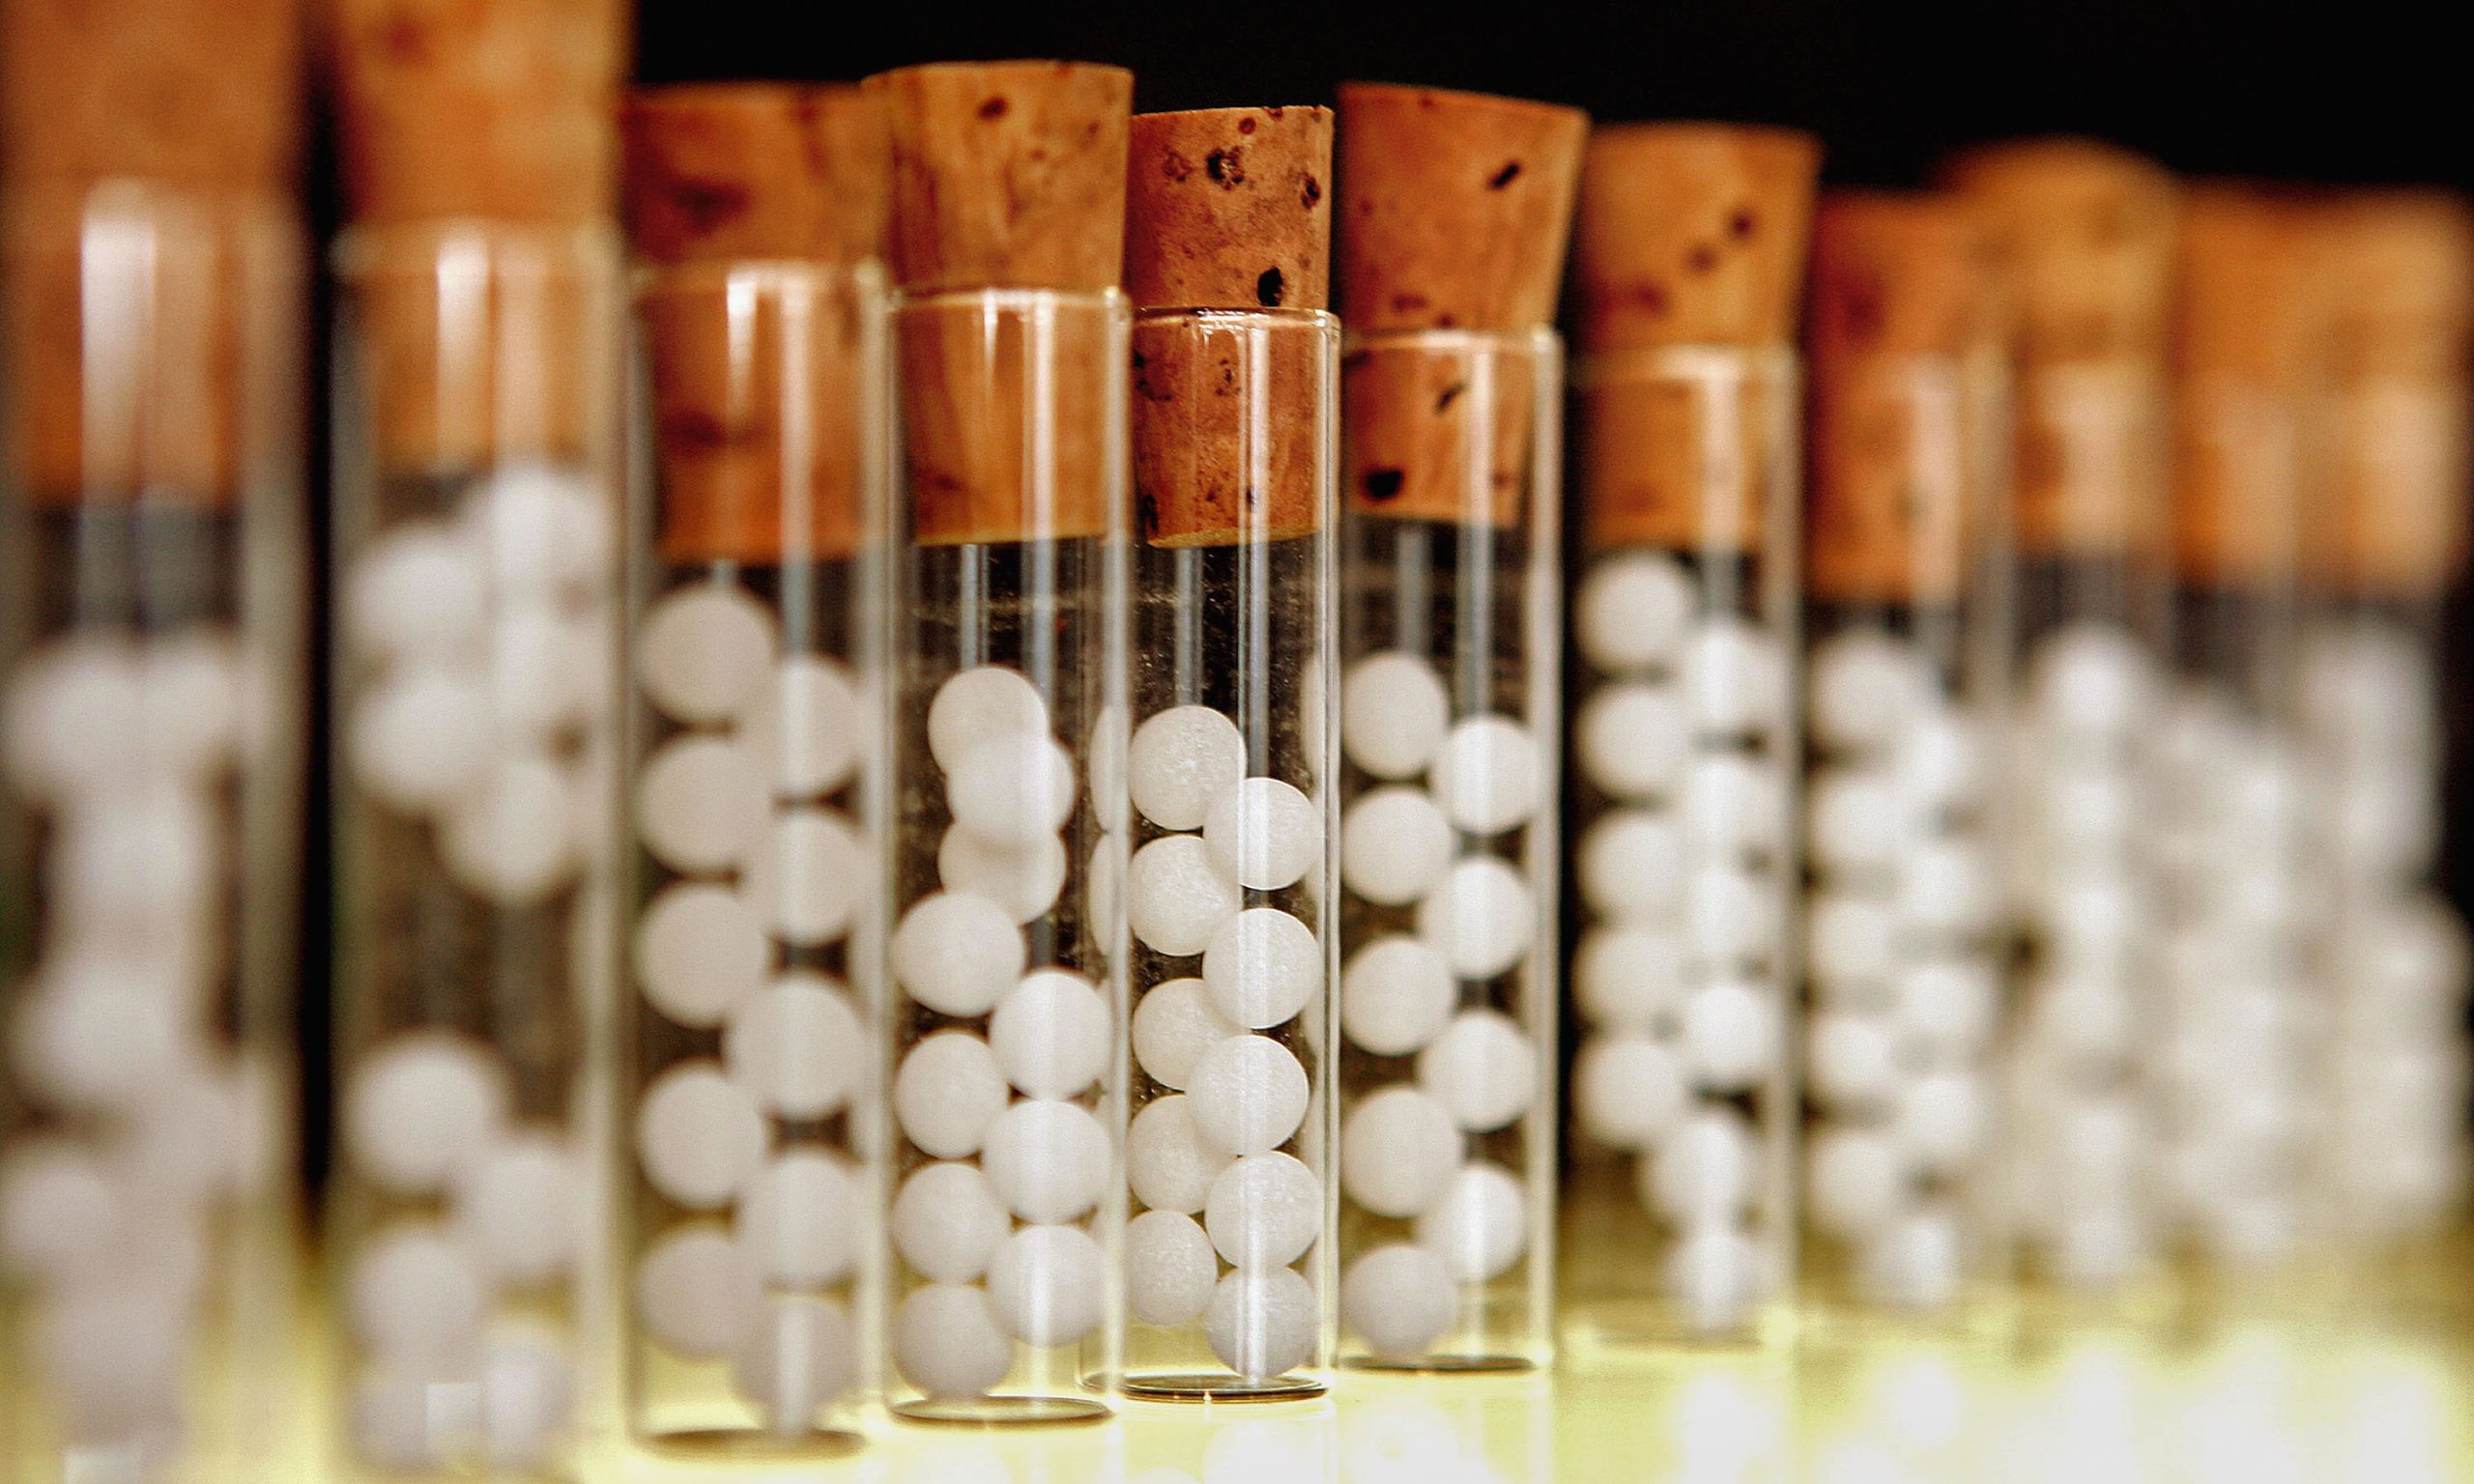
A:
(190, 109)
(757, 202)
(2084, 233)
(1455, 209)
(1905, 327)
(1229, 209)
(1006, 175)
(1692, 238)
(2400, 271)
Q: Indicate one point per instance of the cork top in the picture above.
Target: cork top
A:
(196, 94)
(1229, 209)
(2085, 234)
(756, 170)
(2402, 262)
(2249, 305)
(1901, 273)
(1007, 174)
(1455, 207)
(504, 110)
(1693, 234)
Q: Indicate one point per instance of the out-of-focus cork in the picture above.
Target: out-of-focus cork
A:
(2249, 357)
(2084, 233)
(1905, 333)
(2400, 276)
(1006, 175)
(1455, 209)
(1693, 240)
(1229, 209)
(760, 201)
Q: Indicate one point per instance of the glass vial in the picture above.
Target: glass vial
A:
(2087, 236)
(1450, 710)
(1692, 247)
(1226, 789)
(151, 552)
(2396, 955)
(1905, 1002)
(750, 1059)
(1007, 676)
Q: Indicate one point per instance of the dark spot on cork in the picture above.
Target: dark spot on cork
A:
(1701, 258)
(1175, 166)
(1743, 223)
(1245, 125)
(1384, 484)
(995, 107)
(1146, 514)
(694, 432)
(1446, 321)
(1651, 295)
(1227, 378)
(1355, 358)
(1504, 177)
(1139, 362)
(1451, 394)
(1313, 194)
(1249, 498)
(1408, 303)
(1268, 288)
(1860, 307)
(1227, 166)
(708, 204)
(1039, 152)
(404, 40)
(1278, 110)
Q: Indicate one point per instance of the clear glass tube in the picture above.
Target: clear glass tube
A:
(754, 621)
(1905, 948)
(1226, 790)
(478, 498)
(151, 554)
(1007, 676)
(1449, 708)
(1686, 740)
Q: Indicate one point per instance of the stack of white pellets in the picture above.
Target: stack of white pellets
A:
(1007, 1153)
(1901, 1045)
(477, 650)
(2082, 1129)
(144, 1122)
(2399, 957)
(1445, 1075)
(744, 1123)
(1678, 974)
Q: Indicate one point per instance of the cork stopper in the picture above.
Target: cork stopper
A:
(1693, 234)
(502, 111)
(1229, 209)
(2401, 270)
(722, 171)
(1907, 328)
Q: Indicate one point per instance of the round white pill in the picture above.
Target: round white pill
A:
(1264, 1211)
(2089, 684)
(1630, 865)
(513, 839)
(1865, 684)
(1480, 1227)
(1011, 791)
(1394, 844)
(416, 592)
(698, 1137)
(1851, 1059)
(1714, 1275)
(1109, 745)
(1046, 1159)
(1173, 1024)
(1733, 678)
(544, 531)
(1048, 1285)
(700, 953)
(1180, 762)
(705, 653)
(1396, 995)
(958, 953)
(946, 1222)
(1945, 1008)
(1730, 1030)
(1169, 1268)
(1392, 714)
(1947, 889)
(984, 702)
(695, 1291)
(1262, 1323)
(1482, 1068)
(1632, 740)
(2081, 1017)
(415, 1293)
(797, 1047)
(946, 1092)
(1628, 1089)
(946, 1343)
(1850, 943)
(1940, 763)
(1263, 967)
(1263, 834)
(1704, 1173)
(418, 736)
(193, 689)
(1488, 776)
(1629, 978)
(1175, 898)
(1482, 918)
(1735, 807)
(1942, 1120)
(419, 1107)
(1917, 1261)
(1025, 881)
(1246, 1094)
(1855, 1181)
(700, 804)
(805, 732)
(75, 717)
(520, 1207)
(61, 1211)
(101, 1033)
(800, 1355)
(1052, 1034)
(1398, 1299)
(1631, 612)
(539, 680)
(1731, 916)
(1168, 1167)
(1399, 1148)
(799, 1224)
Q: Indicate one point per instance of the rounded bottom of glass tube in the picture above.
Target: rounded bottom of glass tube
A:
(1444, 1364)
(754, 1445)
(1001, 1410)
(1218, 1386)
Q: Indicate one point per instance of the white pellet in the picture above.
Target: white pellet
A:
(417, 592)
(805, 734)
(512, 838)
(1106, 753)
(1628, 1089)
(416, 738)
(1175, 898)
(1264, 834)
(1733, 678)
(1630, 865)
(947, 1221)
(698, 1137)
(543, 530)
(1046, 1159)
(946, 1092)
(1865, 685)
(1917, 1261)
(1011, 791)
(1945, 1008)
(1264, 1211)
(1399, 1299)
(1488, 776)
(808, 876)
(1180, 762)
(75, 717)
(799, 1222)
(1052, 1034)
(1632, 740)
(1394, 845)
(797, 1047)
(1705, 1171)
(520, 1207)
(1048, 1285)
(1714, 1275)
(1246, 1094)
(1396, 993)
(1632, 611)
(1263, 967)
(1734, 807)
(61, 1211)
(700, 804)
(538, 682)
(800, 1355)
(705, 653)
(1851, 1059)
(1169, 1268)
(100, 1032)
(1940, 763)
(1392, 714)
(1480, 1226)
(193, 687)
(1629, 978)
(958, 953)
(1942, 1120)
(984, 702)
(1482, 1068)
(420, 1108)
(1855, 1181)
(946, 1342)
(1169, 1165)
(1850, 943)
(1399, 1148)
(1025, 881)
(1262, 1323)
(1482, 918)
(1731, 916)
(2089, 684)
(1173, 1024)
(413, 1294)
(700, 953)
(696, 1292)
(1855, 825)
